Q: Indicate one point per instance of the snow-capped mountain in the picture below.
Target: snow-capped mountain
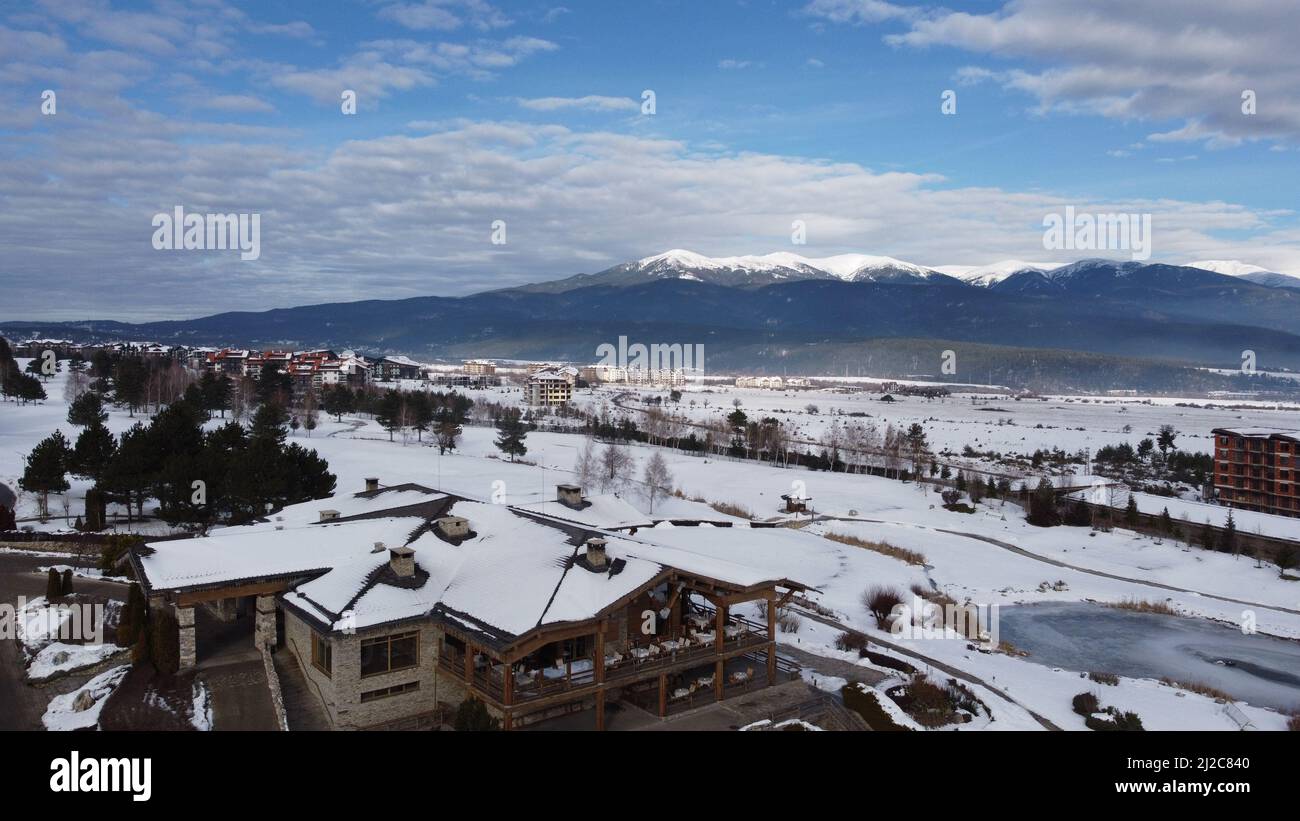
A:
(1248, 272)
(751, 270)
(987, 275)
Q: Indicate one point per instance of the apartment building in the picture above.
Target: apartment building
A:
(1255, 469)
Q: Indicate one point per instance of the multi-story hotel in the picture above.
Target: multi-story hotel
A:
(1254, 469)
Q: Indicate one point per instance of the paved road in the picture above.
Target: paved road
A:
(21, 705)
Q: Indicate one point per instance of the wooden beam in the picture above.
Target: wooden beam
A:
(771, 664)
(600, 709)
(194, 597)
(663, 695)
(718, 681)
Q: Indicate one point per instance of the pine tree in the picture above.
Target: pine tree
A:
(53, 585)
(511, 434)
(87, 409)
(1228, 544)
(1131, 512)
(65, 583)
(46, 471)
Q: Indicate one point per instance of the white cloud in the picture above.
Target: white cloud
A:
(1140, 62)
(591, 102)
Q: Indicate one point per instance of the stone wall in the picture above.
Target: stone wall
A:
(341, 691)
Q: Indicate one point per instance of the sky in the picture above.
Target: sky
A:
(497, 143)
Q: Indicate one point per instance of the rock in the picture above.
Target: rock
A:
(60, 657)
(84, 701)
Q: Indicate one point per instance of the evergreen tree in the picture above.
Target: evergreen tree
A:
(93, 453)
(47, 468)
(65, 583)
(389, 415)
(132, 622)
(511, 434)
(53, 585)
(1166, 523)
(129, 378)
(420, 409)
(1131, 512)
(87, 409)
(1228, 544)
(338, 400)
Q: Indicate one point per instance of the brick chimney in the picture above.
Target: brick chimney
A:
(596, 552)
(372, 483)
(569, 496)
(402, 560)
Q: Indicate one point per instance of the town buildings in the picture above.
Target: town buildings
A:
(1255, 469)
(550, 387)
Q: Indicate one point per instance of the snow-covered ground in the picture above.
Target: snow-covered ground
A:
(990, 557)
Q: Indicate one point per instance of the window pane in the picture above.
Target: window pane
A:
(374, 658)
(404, 652)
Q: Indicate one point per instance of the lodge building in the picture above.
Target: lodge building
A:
(398, 603)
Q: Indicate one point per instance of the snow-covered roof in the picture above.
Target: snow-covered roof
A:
(1256, 432)
(516, 571)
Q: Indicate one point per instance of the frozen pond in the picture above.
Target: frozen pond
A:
(1261, 670)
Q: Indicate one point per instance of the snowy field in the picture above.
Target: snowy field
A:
(990, 557)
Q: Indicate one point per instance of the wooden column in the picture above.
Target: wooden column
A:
(663, 695)
(771, 641)
(469, 663)
(600, 673)
(721, 622)
(508, 683)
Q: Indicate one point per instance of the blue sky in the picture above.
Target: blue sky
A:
(826, 111)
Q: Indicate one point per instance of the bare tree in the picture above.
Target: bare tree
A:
(616, 467)
(587, 466)
(658, 479)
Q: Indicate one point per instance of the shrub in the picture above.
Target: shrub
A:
(1198, 687)
(853, 642)
(863, 701)
(133, 621)
(473, 717)
(787, 621)
(164, 641)
(928, 703)
(65, 584)
(1293, 723)
(731, 509)
(1105, 678)
(880, 602)
(53, 585)
(1085, 704)
(1145, 606)
(884, 548)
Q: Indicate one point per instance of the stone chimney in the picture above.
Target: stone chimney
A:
(372, 483)
(453, 527)
(596, 552)
(378, 548)
(569, 496)
(328, 515)
(402, 560)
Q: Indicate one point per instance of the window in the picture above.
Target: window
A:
(385, 692)
(388, 654)
(322, 654)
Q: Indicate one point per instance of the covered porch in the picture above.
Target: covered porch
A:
(664, 641)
